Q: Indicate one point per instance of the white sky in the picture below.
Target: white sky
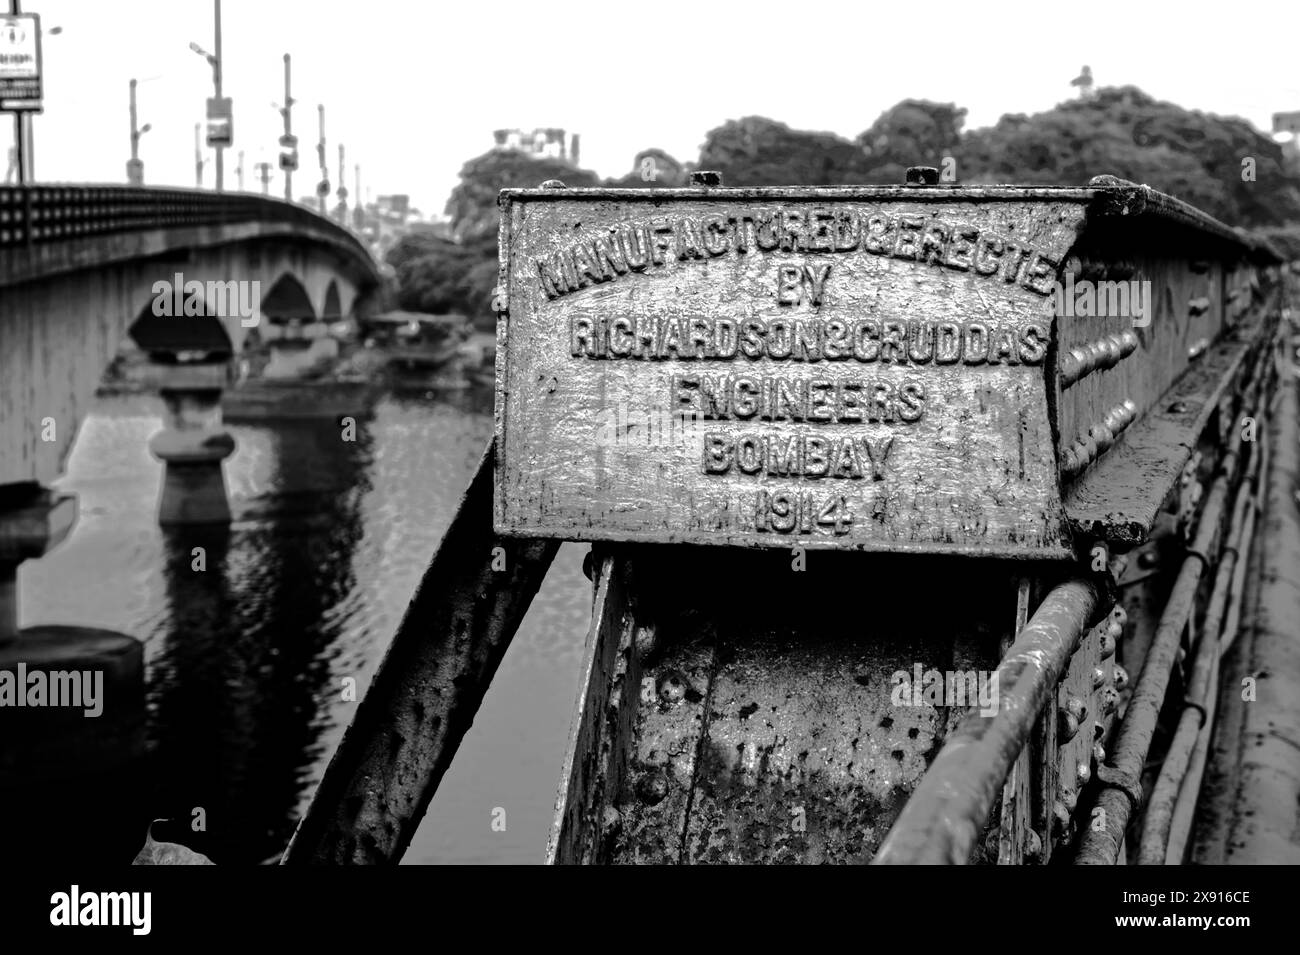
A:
(415, 88)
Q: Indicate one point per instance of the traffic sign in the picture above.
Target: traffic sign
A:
(220, 132)
(289, 141)
(323, 188)
(289, 161)
(20, 62)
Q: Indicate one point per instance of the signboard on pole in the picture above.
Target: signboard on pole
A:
(20, 62)
(220, 129)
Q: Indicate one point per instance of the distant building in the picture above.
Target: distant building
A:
(552, 142)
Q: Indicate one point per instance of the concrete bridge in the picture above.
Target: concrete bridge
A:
(190, 276)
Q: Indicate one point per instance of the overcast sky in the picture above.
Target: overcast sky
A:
(415, 88)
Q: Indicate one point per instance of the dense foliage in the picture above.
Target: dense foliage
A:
(1222, 165)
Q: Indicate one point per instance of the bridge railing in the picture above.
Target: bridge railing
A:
(60, 212)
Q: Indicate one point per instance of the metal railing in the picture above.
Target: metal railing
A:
(37, 214)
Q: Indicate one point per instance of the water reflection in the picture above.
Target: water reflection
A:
(247, 658)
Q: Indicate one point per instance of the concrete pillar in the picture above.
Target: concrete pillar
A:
(72, 713)
(192, 444)
(32, 521)
(290, 352)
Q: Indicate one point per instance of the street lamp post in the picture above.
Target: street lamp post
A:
(288, 158)
(343, 190)
(198, 157)
(216, 81)
(217, 108)
(323, 188)
(134, 167)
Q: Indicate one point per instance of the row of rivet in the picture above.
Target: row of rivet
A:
(1098, 439)
(1072, 716)
(1106, 352)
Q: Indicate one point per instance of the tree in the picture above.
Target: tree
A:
(413, 245)
(1125, 132)
(654, 169)
(756, 151)
(914, 132)
(472, 206)
(451, 277)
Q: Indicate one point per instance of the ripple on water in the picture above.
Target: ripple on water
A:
(247, 659)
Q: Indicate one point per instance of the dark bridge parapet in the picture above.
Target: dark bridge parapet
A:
(36, 219)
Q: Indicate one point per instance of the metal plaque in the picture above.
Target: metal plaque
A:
(857, 368)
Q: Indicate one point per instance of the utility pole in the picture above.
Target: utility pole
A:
(323, 187)
(265, 169)
(289, 160)
(22, 130)
(239, 170)
(216, 82)
(358, 211)
(198, 158)
(343, 190)
(134, 167)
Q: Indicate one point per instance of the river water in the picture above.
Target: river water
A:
(247, 661)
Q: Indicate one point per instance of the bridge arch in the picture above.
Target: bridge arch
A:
(288, 301)
(172, 335)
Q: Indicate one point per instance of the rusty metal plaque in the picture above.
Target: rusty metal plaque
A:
(859, 368)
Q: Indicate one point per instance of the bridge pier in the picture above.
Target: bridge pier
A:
(293, 351)
(192, 444)
(73, 713)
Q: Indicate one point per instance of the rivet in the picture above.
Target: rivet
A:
(922, 176)
(1101, 436)
(1069, 798)
(1109, 700)
(1098, 677)
(554, 184)
(1060, 819)
(1107, 647)
(1033, 846)
(1071, 718)
(1099, 753)
(672, 687)
(1083, 772)
(652, 788)
(1120, 676)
